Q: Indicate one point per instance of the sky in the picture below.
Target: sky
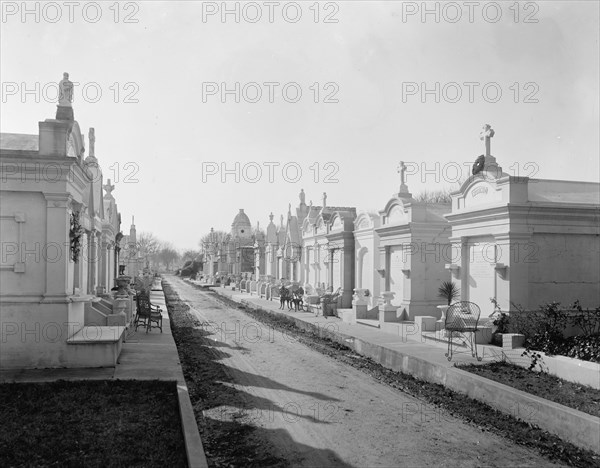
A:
(198, 114)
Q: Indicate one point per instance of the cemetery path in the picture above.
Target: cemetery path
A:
(316, 411)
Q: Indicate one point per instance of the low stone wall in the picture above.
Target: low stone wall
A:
(574, 426)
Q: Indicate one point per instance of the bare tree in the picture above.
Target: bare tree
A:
(208, 242)
(148, 246)
(167, 255)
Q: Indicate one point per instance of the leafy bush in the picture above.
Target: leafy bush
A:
(544, 330)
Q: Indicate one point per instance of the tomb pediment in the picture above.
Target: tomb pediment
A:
(396, 215)
(363, 222)
(321, 229)
(480, 193)
(337, 224)
(397, 211)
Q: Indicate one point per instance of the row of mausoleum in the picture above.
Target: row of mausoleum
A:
(519, 241)
(62, 249)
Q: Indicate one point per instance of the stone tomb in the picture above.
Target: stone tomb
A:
(525, 241)
(52, 202)
(413, 237)
(366, 246)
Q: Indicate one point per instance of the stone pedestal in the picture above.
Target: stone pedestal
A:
(64, 113)
(387, 311)
(425, 323)
(119, 315)
(360, 303)
(512, 340)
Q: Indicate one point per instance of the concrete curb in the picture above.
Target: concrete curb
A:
(194, 449)
(193, 444)
(571, 425)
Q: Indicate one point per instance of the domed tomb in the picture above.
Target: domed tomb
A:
(241, 226)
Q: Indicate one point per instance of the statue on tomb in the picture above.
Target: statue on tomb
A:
(92, 138)
(402, 172)
(302, 197)
(65, 91)
(271, 216)
(324, 199)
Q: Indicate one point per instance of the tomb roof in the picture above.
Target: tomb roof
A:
(241, 219)
(19, 141)
(564, 191)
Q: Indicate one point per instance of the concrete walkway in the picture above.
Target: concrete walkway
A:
(145, 356)
(406, 352)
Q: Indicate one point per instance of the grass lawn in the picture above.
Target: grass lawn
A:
(576, 396)
(91, 423)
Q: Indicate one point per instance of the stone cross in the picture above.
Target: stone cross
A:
(402, 171)
(109, 188)
(487, 133)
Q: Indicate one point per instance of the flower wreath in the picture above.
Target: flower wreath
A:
(478, 165)
(75, 235)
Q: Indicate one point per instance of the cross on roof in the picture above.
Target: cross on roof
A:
(402, 171)
(487, 133)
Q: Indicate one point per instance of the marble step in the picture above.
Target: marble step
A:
(96, 346)
(368, 322)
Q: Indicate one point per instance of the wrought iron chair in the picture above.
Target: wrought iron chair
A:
(147, 313)
(462, 319)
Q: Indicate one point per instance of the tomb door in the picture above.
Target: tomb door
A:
(396, 275)
(481, 279)
(366, 270)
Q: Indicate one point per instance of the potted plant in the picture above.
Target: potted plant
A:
(501, 321)
(447, 291)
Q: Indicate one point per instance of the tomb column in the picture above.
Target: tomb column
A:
(58, 222)
(331, 255)
(384, 255)
(92, 261)
(103, 251)
(109, 267)
(514, 253)
(459, 265)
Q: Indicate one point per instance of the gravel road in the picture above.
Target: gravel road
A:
(312, 410)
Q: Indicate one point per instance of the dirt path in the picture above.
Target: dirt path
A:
(315, 411)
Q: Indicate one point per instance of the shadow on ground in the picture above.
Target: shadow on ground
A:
(228, 417)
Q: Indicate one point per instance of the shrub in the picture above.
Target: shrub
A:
(544, 330)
